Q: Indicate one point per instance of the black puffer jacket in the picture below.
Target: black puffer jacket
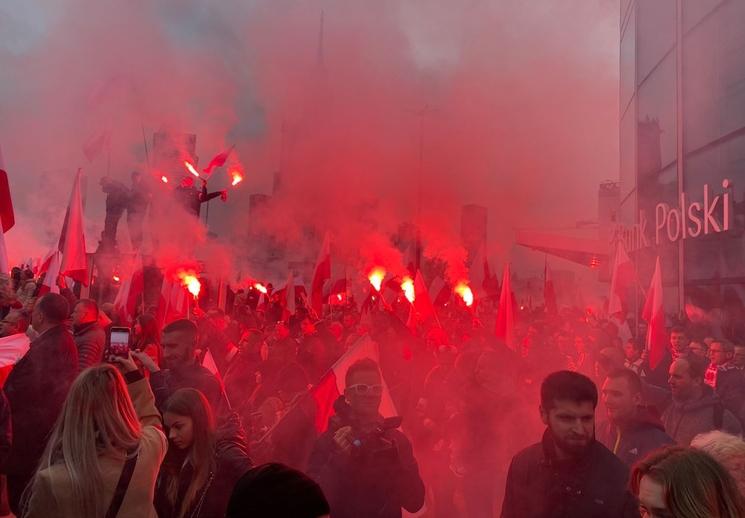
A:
(541, 486)
(376, 482)
(232, 462)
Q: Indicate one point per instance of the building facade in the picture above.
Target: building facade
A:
(682, 150)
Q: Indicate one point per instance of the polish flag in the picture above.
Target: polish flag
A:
(321, 274)
(505, 326)
(51, 274)
(130, 293)
(4, 266)
(549, 292)
(219, 160)
(654, 315)
(7, 216)
(12, 349)
(72, 238)
(289, 297)
(331, 385)
(622, 279)
(208, 362)
(422, 308)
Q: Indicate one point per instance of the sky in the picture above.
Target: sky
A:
(512, 105)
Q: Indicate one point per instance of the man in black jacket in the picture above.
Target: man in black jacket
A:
(568, 474)
(89, 336)
(364, 465)
(36, 389)
(631, 430)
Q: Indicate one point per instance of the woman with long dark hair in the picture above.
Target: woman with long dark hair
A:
(203, 463)
(103, 456)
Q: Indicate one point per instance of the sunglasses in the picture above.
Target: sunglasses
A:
(363, 390)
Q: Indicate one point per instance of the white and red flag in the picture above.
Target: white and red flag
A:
(51, 269)
(331, 385)
(219, 160)
(72, 238)
(623, 277)
(130, 292)
(12, 349)
(321, 274)
(654, 315)
(505, 326)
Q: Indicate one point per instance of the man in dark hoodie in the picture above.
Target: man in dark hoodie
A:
(568, 473)
(631, 430)
(695, 408)
(365, 467)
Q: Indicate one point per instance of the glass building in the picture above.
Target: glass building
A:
(682, 151)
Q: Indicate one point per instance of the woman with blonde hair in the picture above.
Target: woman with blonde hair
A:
(685, 483)
(728, 450)
(204, 461)
(103, 456)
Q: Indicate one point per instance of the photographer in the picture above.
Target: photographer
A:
(364, 465)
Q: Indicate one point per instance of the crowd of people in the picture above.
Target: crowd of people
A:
(216, 415)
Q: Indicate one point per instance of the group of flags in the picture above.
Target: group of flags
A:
(624, 277)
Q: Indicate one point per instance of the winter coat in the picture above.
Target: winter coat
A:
(90, 339)
(51, 494)
(36, 389)
(374, 483)
(211, 501)
(541, 486)
(684, 421)
(639, 437)
(166, 382)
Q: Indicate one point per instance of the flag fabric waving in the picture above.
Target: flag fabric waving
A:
(72, 238)
(654, 315)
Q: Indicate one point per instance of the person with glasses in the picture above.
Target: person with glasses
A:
(728, 378)
(363, 463)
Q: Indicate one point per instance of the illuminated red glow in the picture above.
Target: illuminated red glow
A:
(190, 281)
(464, 292)
(116, 278)
(237, 177)
(376, 276)
(191, 168)
(164, 179)
(407, 286)
(261, 288)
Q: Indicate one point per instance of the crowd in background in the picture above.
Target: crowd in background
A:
(468, 404)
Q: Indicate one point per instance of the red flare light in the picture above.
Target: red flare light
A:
(261, 288)
(237, 177)
(190, 168)
(164, 179)
(116, 278)
(465, 293)
(407, 286)
(376, 277)
(190, 282)
(339, 297)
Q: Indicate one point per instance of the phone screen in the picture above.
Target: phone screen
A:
(119, 345)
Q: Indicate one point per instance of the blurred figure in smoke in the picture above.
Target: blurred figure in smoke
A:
(15, 322)
(695, 407)
(37, 388)
(89, 335)
(117, 198)
(192, 198)
(683, 482)
(632, 350)
(139, 199)
(631, 430)
(699, 348)
(204, 461)
(182, 367)
(568, 473)
(365, 466)
(274, 490)
(677, 348)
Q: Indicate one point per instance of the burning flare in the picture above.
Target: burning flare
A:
(237, 177)
(376, 277)
(164, 179)
(190, 282)
(465, 293)
(261, 288)
(116, 278)
(407, 286)
(190, 168)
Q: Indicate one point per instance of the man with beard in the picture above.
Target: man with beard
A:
(568, 473)
(182, 368)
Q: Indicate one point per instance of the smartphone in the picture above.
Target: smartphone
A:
(119, 340)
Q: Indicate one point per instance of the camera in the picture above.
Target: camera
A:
(375, 445)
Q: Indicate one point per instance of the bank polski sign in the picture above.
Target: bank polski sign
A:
(690, 219)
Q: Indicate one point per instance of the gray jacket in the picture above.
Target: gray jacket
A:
(684, 421)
